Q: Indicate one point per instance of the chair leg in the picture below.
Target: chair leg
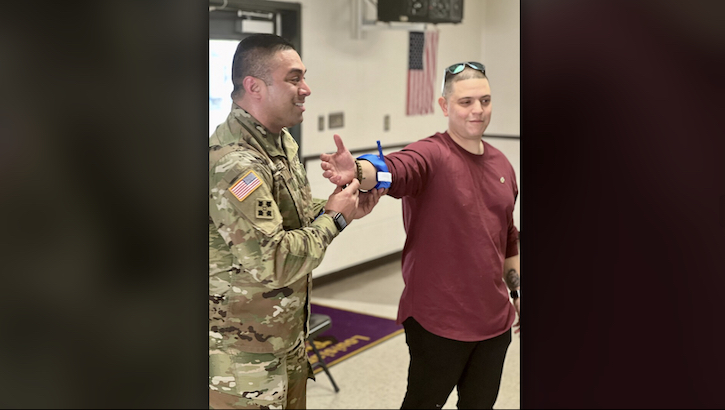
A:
(324, 366)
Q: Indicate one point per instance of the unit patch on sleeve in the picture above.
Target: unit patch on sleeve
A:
(264, 209)
(245, 185)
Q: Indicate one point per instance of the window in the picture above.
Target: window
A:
(221, 53)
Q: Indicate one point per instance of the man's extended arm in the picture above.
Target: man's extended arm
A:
(340, 168)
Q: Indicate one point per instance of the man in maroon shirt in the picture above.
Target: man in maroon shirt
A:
(461, 248)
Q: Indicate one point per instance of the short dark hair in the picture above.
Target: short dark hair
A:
(252, 58)
(466, 74)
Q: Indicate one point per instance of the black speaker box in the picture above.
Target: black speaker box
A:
(421, 11)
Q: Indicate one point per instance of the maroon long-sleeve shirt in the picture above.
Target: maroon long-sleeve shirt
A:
(458, 217)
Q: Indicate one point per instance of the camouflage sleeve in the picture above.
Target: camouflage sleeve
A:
(245, 211)
(317, 206)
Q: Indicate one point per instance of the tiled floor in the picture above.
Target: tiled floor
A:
(377, 378)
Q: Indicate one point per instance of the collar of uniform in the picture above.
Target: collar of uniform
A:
(265, 138)
(289, 144)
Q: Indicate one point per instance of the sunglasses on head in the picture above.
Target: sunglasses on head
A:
(457, 68)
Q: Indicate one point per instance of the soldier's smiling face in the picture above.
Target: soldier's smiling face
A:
(285, 95)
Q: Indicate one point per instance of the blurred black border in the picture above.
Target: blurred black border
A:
(623, 180)
(102, 171)
(104, 113)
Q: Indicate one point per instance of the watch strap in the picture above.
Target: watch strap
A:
(338, 219)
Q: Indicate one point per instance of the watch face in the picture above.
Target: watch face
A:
(340, 221)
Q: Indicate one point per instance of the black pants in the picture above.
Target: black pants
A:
(438, 364)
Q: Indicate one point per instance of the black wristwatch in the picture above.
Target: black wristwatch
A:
(339, 220)
(516, 294)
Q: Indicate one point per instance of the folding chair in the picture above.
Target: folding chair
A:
(318, 324)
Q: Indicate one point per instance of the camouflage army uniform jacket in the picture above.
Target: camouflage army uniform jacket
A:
(264, 239)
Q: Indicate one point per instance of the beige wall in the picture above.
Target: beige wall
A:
(501, 55)
(366, 79)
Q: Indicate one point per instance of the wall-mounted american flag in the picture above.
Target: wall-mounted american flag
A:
(422, 53)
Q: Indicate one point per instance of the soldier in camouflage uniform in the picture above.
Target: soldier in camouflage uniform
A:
(266, 234)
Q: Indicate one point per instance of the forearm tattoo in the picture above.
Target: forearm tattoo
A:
(512, 279)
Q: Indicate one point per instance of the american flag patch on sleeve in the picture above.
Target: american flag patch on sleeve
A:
(245, 185)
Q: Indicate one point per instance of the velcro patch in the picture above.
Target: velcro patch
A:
(245, 185)
(264, 209)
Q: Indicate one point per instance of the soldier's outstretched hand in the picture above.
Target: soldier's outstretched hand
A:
(339, 167)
